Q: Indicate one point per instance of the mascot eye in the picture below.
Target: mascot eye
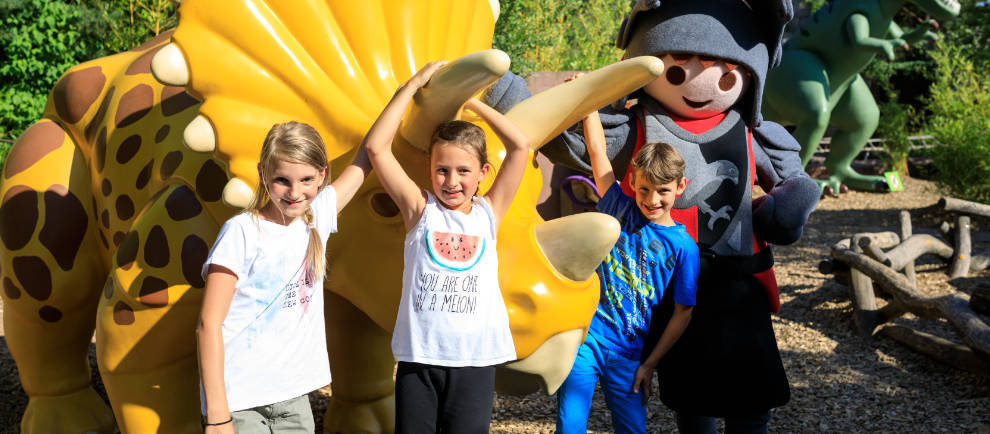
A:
(676, 75)
(727, 81)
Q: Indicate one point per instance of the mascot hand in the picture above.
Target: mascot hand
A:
(768, 227)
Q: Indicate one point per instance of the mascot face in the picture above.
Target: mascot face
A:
(697, 87)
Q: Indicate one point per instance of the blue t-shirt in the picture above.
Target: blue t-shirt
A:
(646, 260)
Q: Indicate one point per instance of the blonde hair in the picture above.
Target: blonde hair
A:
(300, 143)
(659, 163)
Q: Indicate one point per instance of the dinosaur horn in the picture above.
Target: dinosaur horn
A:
(577, 256)
(440, 100)
(545, 115)
(168, 66)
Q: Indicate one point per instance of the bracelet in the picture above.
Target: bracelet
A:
(221, 423)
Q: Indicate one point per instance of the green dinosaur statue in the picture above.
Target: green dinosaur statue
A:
(818, 81)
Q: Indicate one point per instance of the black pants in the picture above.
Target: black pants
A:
(438, 399)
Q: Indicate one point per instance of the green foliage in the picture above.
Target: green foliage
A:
(960, 119)
(971, 32)
(41, 39)
(898, 116)
(550, 35)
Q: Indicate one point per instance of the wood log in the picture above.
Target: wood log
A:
(891, 311)
(873, 251)
(907, 231)
(961, 257)
(953, 308)
(883, 240)
(940, 349)
(980, 261)
(964, 206)
(861, 291)
(915, 246)
(979, 300)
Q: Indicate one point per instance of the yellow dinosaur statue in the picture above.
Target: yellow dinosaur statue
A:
(111, 201)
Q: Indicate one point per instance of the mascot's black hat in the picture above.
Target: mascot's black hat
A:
(747, 32)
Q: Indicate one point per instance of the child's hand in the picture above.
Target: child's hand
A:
(643, 380)
(423, 76)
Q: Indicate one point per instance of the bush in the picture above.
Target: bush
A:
(960, 119)
(551, 35)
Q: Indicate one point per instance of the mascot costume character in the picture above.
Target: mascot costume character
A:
(716, 55)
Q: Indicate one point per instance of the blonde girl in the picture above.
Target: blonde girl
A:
(452, 327)
(262, 344)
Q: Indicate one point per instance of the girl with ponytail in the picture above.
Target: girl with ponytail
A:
(262, 343)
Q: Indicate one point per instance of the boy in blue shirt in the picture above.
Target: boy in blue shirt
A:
(654, 254)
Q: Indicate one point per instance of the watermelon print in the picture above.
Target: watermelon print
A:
(457, 252)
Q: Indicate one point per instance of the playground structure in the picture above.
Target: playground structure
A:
(882, 264)
(818, 84)
(110, 203)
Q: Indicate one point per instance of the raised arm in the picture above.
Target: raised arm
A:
(858, 30)
(351, 178)
(378, 145)
(601, 167)
(517, 154)
(220, 285)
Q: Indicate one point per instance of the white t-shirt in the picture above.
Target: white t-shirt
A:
(274, 340)
(451, 312)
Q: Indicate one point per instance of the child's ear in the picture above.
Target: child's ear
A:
(485, 169)
(681, 186)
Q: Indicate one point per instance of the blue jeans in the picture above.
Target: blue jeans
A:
(750, 424)
(595, 362)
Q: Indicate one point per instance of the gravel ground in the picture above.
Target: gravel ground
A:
(839, 381)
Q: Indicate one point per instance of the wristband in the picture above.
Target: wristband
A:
(221, 423)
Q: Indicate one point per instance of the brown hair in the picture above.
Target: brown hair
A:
(300, 143)
(659, 162)
(461, 133)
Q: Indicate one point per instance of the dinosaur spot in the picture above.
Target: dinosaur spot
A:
(162, 133)
(156, 248)
(165, 36)
(125, 207)
(134, 105)
(805, 33)
(100, 153)
(210, 181)
(170, 163)
(106, 188)
(101, 113)
(12, 291)
(175, 99)
(18, 217)
(108, 288)
(143, 64)
(76, 92)
(105, 218)
(103, 239)
(65, 226)
(50, 314)
(145, 175)
(127, 251)
(182, 204)
(34, 276)
(194, 252)
(123, 314)
(37, 141)
(154, 292)
(128, 148)
(118, 237)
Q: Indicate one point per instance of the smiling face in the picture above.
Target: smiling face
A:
(656, 200)
(697, 87)
(455, 173)
(291, 187)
